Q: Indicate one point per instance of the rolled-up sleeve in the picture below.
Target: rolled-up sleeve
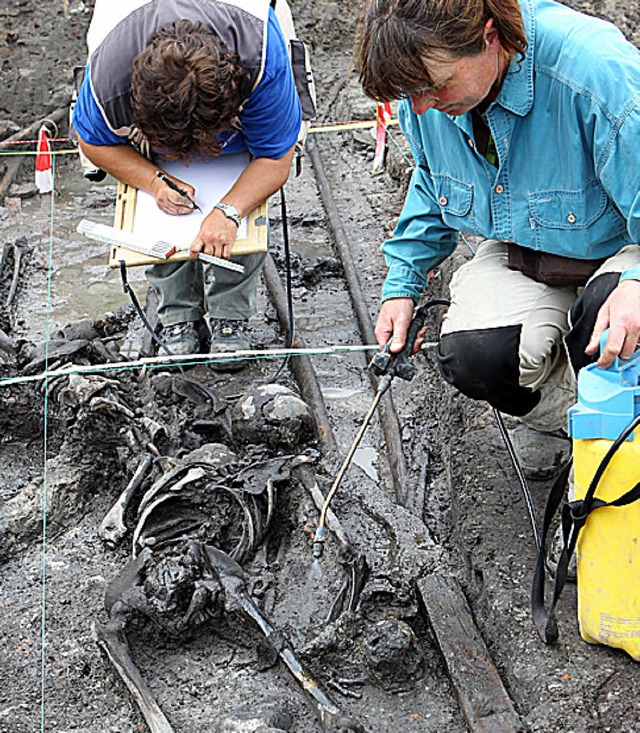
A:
(421, 240)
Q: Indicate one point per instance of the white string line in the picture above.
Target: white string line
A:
(43, 618)
(186, 360)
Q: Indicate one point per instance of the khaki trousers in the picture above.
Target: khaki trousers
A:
(518, 343)
(187, 290)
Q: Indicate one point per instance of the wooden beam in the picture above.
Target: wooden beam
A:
(485, 703)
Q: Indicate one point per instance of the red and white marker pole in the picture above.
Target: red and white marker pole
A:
(383, 115)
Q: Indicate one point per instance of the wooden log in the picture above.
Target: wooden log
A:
(485, 703)
(389, 420)
(31, 130)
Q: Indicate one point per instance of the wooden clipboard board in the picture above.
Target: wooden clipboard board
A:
(136, 211)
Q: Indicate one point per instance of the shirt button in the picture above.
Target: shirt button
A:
(443, 201)
(571, 218)
(471, 143)
(499, 188)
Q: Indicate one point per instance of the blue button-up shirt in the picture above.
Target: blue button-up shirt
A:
(566, 126)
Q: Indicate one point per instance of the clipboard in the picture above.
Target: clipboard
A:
(136, 211)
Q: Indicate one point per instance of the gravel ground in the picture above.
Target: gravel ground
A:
(473, 511)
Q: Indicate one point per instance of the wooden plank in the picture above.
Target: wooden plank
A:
(485, 703)
(125, 207)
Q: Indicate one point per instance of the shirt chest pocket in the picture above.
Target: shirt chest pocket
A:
(587, 213)
(455, 199)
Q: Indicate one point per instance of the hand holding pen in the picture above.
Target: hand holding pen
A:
(167, 203)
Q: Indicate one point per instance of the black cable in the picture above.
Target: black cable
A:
(512, 454)
(521, 478)
(287, 265)
(130, 292)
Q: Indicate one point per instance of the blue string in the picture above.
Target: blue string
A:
(397, 144)
(468, 243)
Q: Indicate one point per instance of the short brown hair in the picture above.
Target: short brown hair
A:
(186, 87)
(396, 36)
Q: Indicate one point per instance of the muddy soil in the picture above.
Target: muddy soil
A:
(471, 519)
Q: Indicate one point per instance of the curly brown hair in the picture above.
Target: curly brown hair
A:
(395, 37)
(187, 86)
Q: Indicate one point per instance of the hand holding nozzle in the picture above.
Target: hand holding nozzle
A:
(386, 366)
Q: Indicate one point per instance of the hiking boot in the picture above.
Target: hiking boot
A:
(181, 338)
(226, 336)
(540, 454)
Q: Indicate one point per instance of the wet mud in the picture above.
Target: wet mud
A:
(72, 445)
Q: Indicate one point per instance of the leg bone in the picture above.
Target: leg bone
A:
(113, 529)
(112, 639)
(233, 580)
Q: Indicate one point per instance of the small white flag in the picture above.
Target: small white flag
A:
(44, 168)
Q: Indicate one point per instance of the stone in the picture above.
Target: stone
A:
(393, 653)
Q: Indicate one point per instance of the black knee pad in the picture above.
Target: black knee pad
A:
(484, 365)
(583, 316)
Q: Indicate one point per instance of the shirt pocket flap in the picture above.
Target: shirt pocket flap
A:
(453, 197)
(568, 209)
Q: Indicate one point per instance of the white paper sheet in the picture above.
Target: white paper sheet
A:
(211, 179)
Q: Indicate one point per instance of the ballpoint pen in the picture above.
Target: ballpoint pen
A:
(174, 187)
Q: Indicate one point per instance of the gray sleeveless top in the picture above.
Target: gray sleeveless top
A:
(241, 24)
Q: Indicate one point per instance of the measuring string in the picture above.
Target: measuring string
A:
(314, 129)
(43, 638)
(193, 359)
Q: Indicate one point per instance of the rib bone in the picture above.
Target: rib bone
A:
(232, 578)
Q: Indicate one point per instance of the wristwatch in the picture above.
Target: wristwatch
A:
(230, 212)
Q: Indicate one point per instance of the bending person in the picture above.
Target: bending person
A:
(201, 78)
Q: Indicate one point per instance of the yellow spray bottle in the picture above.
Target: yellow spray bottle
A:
(606, 455)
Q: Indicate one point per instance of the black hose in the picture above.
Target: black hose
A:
(521, 478)
(287, 266)
(130, 292)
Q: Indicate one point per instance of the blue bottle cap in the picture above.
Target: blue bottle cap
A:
(608, 399)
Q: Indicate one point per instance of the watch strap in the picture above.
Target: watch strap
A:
(230, 212)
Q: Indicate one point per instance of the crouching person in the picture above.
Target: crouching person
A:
(517, 143)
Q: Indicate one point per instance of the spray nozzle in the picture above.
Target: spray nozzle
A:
(318, 542)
